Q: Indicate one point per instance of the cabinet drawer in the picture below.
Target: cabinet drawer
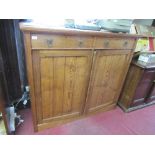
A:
(79, 42)
(57, 41)
(114, 43)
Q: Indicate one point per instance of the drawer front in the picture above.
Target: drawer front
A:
(79, 42)
(60, 41)
(114, 43)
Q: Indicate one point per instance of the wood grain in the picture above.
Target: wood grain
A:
(45, 87)
(29, 67)
(70, 78)
(130, 86)
(113, 43)
(37, 84)
(138, 88)
(77, 75)
(30, 27)
(108, 73)
(58, 85)
(57, 122)
(63, 83)
(41, 41)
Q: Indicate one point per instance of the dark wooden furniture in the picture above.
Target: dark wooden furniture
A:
(13, 58)
(3, 96)
(139, 87)
(74, 73)
(2, 110)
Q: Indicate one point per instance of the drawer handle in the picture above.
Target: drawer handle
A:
(125, 44)
(106, 44)
(80, 43)
(49, 42)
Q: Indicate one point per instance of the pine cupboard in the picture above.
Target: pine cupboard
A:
(74, 73)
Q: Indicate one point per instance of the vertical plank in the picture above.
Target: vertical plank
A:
(100, 82)
(51, 86)
(125, 67)
(109, 92)
(45, 89)
(29, 67)
(103, 80)
(111, 81)
(59, 63)
(117, 67)
(37, 84)
(81, 83)
(92, 67)
(93, 89)
(70, 78)
(98, 77)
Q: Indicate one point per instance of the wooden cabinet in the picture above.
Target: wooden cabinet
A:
(139, 88)
(74, 73)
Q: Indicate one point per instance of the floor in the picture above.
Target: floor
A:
(114, 122)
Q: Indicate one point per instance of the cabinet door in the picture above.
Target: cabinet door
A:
(109, 70)
(60, 81)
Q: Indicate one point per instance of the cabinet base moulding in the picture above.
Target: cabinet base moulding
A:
(136, 107)
(51, 124)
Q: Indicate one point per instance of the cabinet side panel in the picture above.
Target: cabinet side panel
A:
(27, 43)
(131, 82)
(37, 84)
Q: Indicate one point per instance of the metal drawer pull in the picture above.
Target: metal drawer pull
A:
(49, 42)
(106, 44)
(125, 44)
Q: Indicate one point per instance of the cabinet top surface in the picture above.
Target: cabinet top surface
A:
(30, 27)
(143, 65)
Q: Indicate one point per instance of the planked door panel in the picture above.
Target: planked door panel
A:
(61, 81)
(107, 76)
